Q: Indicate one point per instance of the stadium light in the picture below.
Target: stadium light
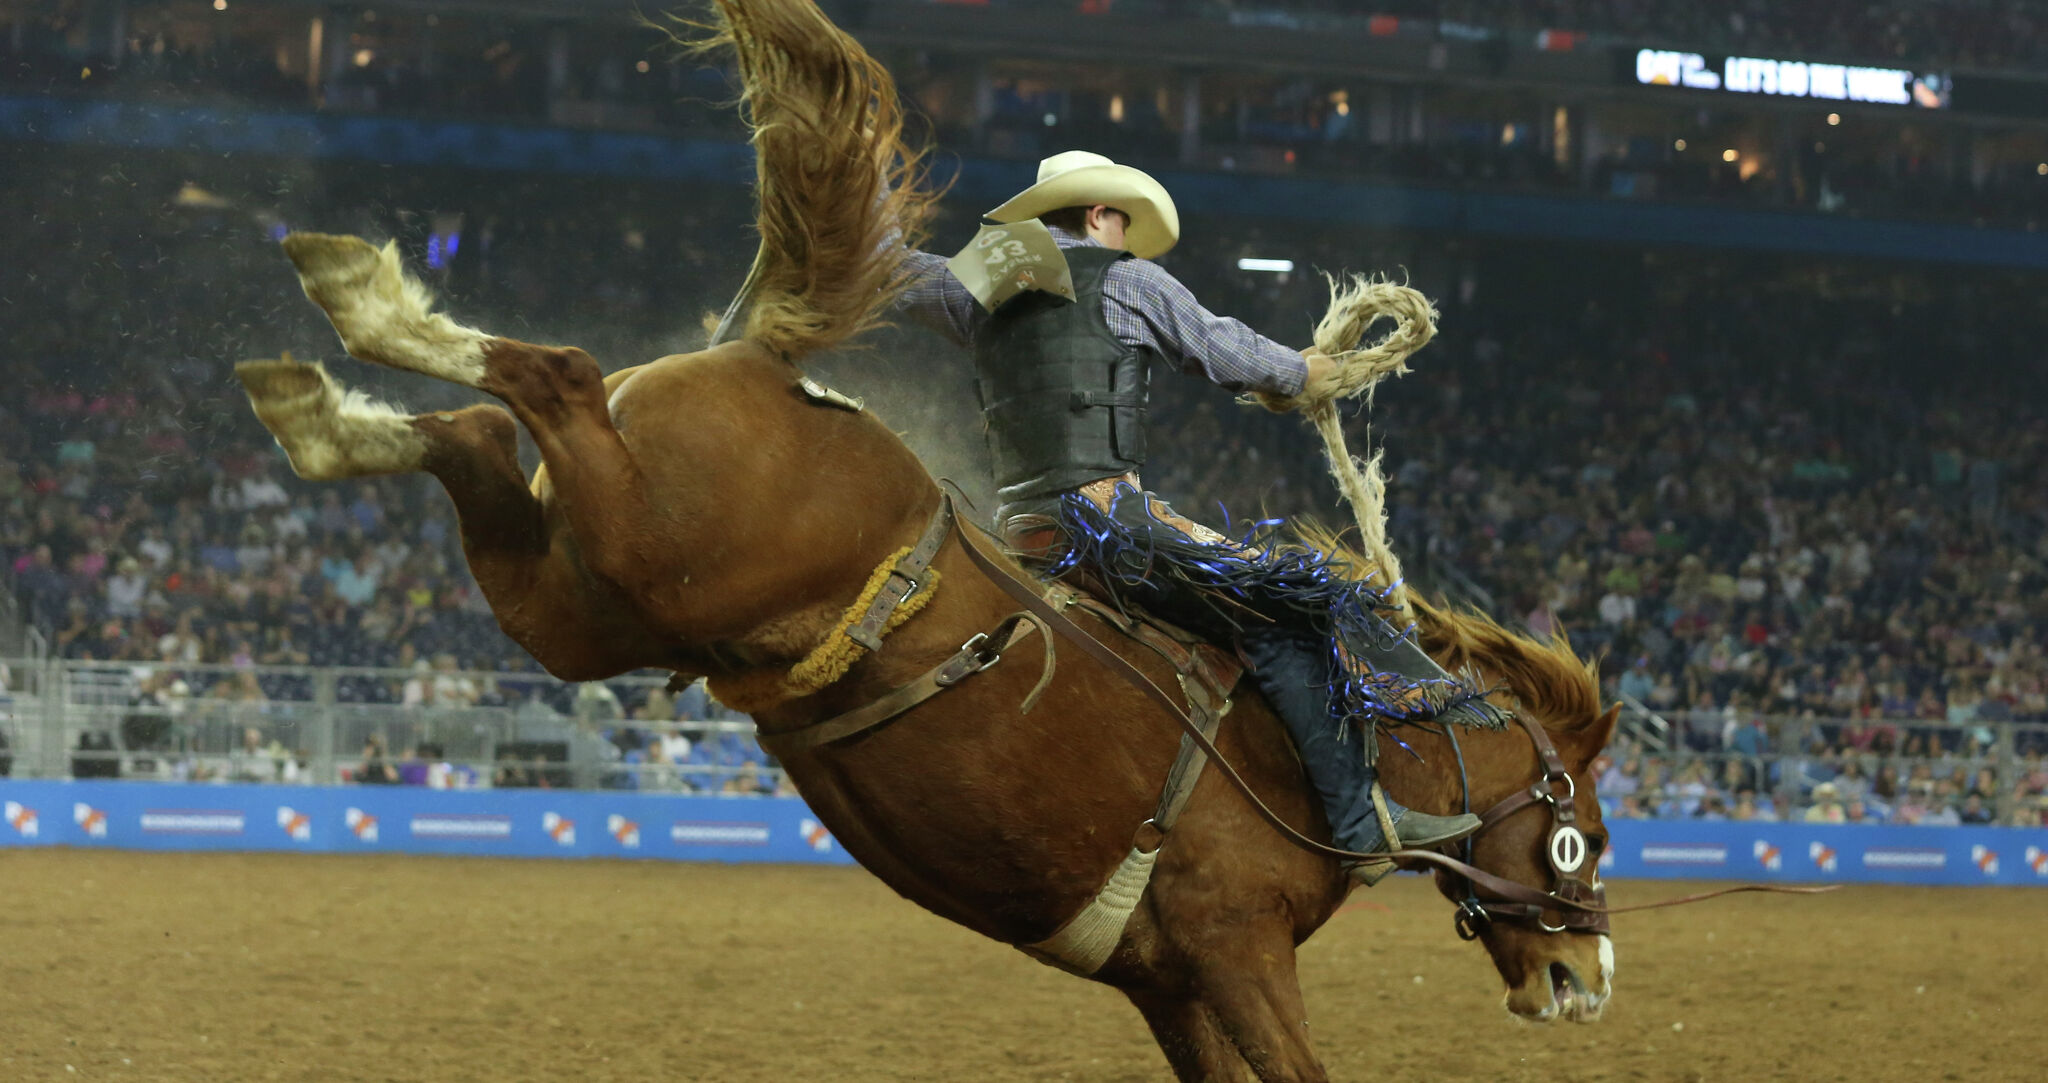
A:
(1679, 145)
(1729, 155)
(1834, 119)
(220, 5)
(2041, 170)
(1277, 266)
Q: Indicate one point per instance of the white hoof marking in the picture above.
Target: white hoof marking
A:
(384, 315)
(329, 432)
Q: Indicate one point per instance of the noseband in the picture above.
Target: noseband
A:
(1566, 849)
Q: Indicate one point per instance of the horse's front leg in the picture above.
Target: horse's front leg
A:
(1194, 1048)
(1250, 989)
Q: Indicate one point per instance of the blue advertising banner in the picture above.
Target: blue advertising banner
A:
(403, 819)
(579, 823)
(1825, 853)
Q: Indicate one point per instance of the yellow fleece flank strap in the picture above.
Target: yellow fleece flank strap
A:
(759, 690)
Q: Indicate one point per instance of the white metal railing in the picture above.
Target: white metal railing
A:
(71, 719)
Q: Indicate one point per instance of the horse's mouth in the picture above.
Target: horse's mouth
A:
(1568, 997)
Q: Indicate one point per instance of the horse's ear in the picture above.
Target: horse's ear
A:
(1586, 743)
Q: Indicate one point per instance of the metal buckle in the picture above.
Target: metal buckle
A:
(1469, 918)
(972, 657)
(983, 655)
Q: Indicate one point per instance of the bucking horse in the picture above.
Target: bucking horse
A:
(718, 514)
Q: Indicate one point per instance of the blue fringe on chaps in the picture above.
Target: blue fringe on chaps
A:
(1299, 621)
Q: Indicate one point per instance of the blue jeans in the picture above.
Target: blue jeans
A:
(1289, 665)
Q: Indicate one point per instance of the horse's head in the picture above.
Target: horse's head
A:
(1544, 833)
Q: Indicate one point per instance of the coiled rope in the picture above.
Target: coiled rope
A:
(1356, 303)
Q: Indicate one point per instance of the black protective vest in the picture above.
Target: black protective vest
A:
(1062, 399)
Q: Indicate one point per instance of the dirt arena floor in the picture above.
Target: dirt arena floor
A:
(227, 968)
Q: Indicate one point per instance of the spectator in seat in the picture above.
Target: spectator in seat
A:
(125, 589)
(1827, 806)
(450, 688)
(509, 774)
(747, 781)
(375, 769)
(1638, 683)
(1746, 809)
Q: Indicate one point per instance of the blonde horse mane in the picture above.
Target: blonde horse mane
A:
(1547, 678)
(839, 194)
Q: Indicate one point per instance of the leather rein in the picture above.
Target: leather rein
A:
(1579, 905)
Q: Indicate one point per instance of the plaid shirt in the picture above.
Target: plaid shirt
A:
(1145, 307)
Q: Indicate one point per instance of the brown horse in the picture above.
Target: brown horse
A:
(703, 514)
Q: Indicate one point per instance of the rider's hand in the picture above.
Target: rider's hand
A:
(1315, 386)
(1321, 371)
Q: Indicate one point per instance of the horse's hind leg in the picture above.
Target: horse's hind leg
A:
(1196, 1050)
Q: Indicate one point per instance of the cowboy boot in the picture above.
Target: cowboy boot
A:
(1288, 669)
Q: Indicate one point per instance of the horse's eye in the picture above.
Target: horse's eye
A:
(1595, 844)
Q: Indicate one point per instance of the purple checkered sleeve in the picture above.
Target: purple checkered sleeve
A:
(1144, 306)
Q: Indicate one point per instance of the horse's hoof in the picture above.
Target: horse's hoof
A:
(327, 432)
(279, 381)
(330, 255)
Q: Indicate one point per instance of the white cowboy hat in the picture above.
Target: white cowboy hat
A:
(1078, 178)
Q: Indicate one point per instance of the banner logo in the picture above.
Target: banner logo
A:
(1904, 858)
(296, 824)
(1685, 853)
(21, 818)
(559, 828)
(710, 833)
(462, 827)
(1768, 855)
(179, 821)
(624, 830)
(1986, 859)
(1823, 856)
(90, 820)
(815, 834)
(361, 824)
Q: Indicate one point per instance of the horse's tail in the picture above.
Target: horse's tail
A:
(839, 193)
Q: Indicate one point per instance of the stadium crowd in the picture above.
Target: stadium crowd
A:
(1819, 555)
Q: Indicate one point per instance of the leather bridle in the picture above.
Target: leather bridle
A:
(1566, 848)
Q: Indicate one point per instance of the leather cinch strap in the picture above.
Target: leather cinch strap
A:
(975, 655)
(903, 578)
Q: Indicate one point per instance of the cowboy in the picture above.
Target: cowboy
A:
(1066, 316)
